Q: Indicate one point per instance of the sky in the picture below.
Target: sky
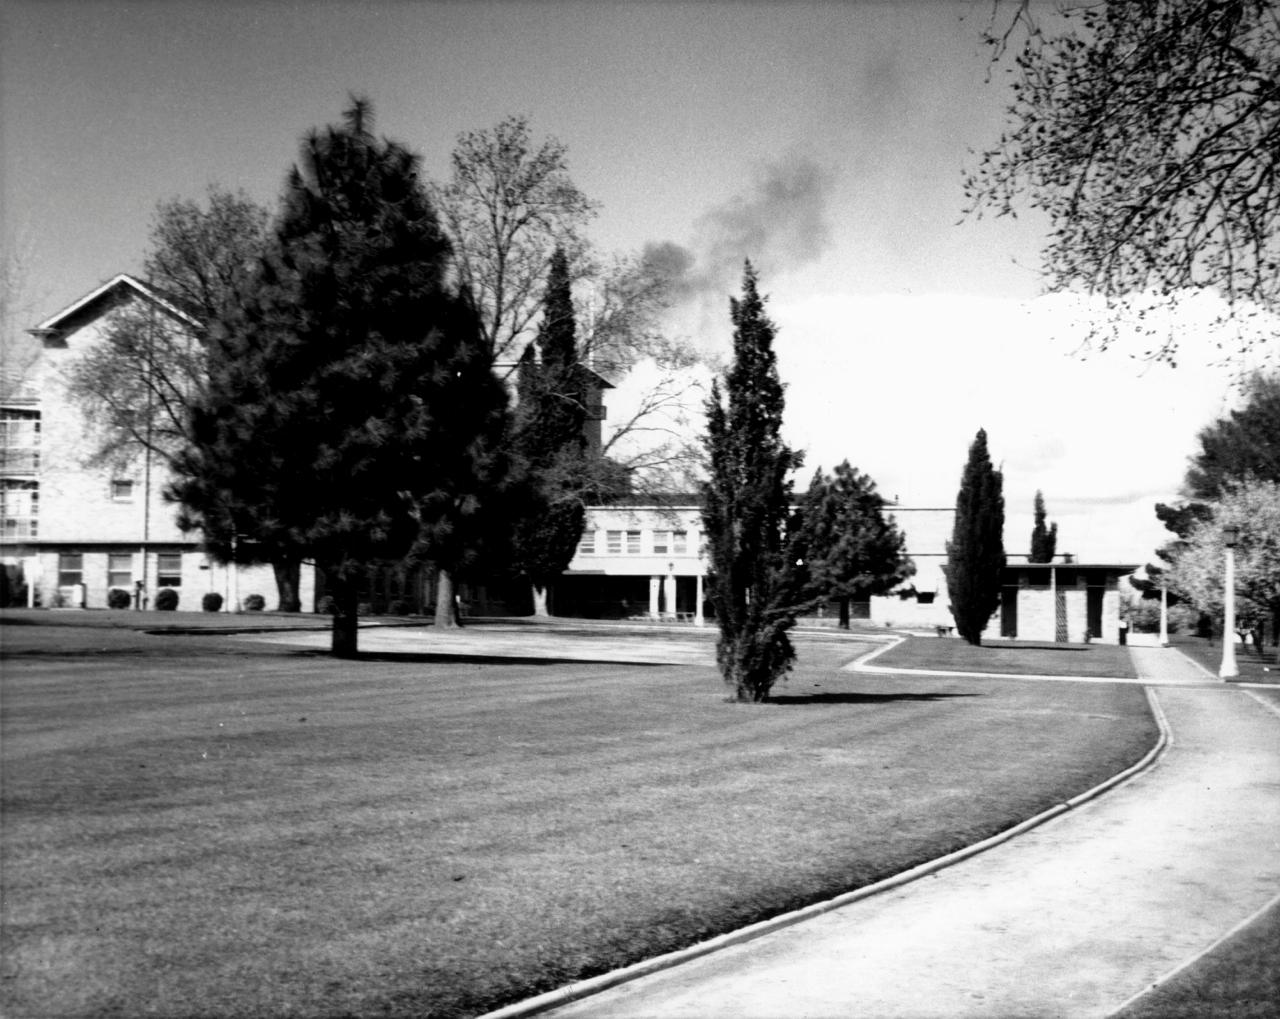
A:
(826, 142)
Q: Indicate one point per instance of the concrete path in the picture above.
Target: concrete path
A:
(1168, 666)
(1070, 919)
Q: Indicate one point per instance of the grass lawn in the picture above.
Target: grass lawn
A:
(1009, 657)
(199, 826)
(1253, 667)
(1240, 979)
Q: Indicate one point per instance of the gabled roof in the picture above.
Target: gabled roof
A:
(97, 302)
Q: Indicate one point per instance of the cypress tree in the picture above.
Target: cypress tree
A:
(745, 507)
(975, 553)
(550, 442)
(351, 415)
(1044, 540)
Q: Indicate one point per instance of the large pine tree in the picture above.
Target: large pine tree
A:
(849, 548)
(351, 415)
(746, 506)
(975, 553)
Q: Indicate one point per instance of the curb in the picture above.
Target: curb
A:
(1166, 977)
(1212, 675)
(1188, 963)
(604, 981)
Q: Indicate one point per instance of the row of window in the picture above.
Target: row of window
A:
(19, 441)
(20, 505)
(120, 569)
(632, 543)
(19, 508)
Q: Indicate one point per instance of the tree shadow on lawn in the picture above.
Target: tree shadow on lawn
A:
(1032, 646)
(786, 700)
(472, 658)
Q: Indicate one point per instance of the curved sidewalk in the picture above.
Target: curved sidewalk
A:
(1070, 919)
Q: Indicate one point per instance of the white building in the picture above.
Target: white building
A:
(643, 559)
(75, 528)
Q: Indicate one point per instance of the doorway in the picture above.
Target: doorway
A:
(1093, 611)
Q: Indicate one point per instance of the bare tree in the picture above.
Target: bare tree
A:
(1149, 133)
(509, 204)
(506, 207)
(139, 384)
(653, 437)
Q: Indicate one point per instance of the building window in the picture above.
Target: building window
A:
(19, 508)
(633, 543)
(587, 543)
(661, 542)
(70, 568)
(19, 441)
(121, 491)
(680, 543)
(613, 542)
(120, 570)
(169, 569)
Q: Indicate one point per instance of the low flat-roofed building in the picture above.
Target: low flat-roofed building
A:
(1062, 601)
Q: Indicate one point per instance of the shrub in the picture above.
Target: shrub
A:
(325, 606)
(118, 598)
(211, 602)
(166, 599)
(1183, 618)
(254, 603)
(1144, 616)
(364, 609)
(400, 607)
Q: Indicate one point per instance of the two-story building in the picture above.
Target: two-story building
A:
(638, 559)
(76, 526)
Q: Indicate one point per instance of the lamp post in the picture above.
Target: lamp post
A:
(1228, 670)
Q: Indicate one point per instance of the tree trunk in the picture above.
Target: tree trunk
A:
(288, 570)
(844, 614)
(446, 602)
(345, 621)
(540, 600)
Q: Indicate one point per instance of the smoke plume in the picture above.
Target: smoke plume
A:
(780, 223)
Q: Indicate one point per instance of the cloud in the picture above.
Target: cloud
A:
(900, 384)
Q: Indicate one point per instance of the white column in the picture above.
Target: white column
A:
(669, 593)
(655, 585)
(697, 604)
(31, 574)
(1228, 669)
